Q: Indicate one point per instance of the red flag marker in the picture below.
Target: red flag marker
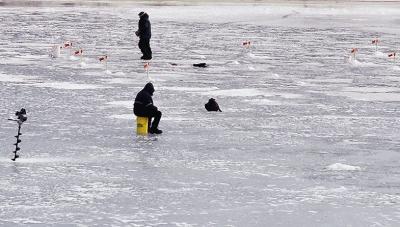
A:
(392, 55)
(375, 41)
(67, 44)
(353, 53)
(103, 58)
(78, 52)
(146, 66)
(246, 43)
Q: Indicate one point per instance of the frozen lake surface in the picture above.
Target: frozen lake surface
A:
(307, 137)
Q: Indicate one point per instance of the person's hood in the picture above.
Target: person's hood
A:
(149, 88)
(144, 16)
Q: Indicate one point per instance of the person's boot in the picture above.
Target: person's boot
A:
(155, 131)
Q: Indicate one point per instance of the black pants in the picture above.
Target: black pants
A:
(144, 45)
(149, 113)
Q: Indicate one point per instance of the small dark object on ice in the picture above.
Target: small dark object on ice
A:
(201, 65)
(155, 131)
(212, 105)
(173, 64)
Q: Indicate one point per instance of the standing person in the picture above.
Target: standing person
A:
(144, 107)
(144, 34)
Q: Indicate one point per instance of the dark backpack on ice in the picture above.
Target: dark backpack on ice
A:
(201, 65)
(212, 105)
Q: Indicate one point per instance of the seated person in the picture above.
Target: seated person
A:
(144, 107)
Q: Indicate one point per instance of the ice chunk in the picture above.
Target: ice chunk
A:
(343, 167)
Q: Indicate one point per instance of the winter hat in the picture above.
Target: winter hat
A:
(141, 14)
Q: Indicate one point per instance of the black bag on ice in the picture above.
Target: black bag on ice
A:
(212, 105)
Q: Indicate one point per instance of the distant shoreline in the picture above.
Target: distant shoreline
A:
(71, 3)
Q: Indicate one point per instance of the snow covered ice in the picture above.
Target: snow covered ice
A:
(306, 137)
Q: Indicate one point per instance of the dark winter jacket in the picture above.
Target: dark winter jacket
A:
(143, 99)
(144, 31)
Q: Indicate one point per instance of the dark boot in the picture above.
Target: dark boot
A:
(157, 117)
(154, 125)
(155, 131)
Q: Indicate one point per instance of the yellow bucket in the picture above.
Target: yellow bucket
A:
(142, 125)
